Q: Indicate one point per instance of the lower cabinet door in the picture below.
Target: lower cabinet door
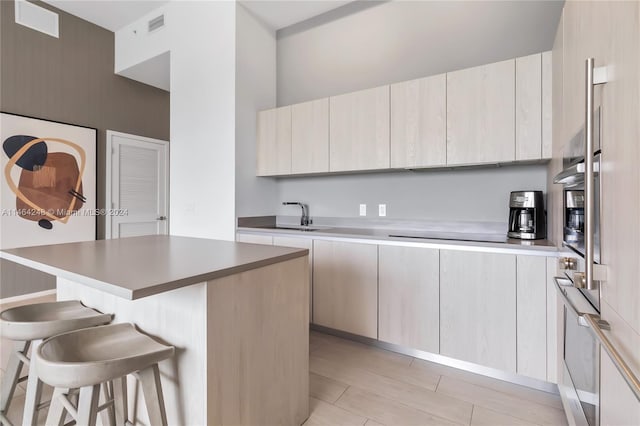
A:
(254, 239)
(532, 316)
(409, 297)
(478, 308)
(345, 287)
(305, 243)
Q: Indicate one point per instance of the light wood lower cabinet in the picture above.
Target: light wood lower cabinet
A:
(532, 316)
(495, 310)
(409, 300)
(478, 308)
(304, 243)
(345, 290)
(254, 239)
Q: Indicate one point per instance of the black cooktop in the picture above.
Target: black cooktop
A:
(454, 236)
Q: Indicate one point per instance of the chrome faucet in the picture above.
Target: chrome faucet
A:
(304, 219)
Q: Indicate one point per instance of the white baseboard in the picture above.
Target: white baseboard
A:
(28, 296)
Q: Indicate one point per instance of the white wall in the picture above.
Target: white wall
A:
(255, 91)
(201, 39)
(402, 40)
(203, 120)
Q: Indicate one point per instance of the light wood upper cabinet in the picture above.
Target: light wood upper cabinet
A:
(532, 316)
(310, 137)
(274, 142)
(418, 122)
(547, 102)
(478, 308)
(480, 114)
(345, 287)
(359, 130)
(529, 107)
(409, 300)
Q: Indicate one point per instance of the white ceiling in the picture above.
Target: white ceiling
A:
(281, 14)
(109, 14)
(115, 14)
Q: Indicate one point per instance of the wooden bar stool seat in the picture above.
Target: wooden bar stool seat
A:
(90, 358)
(27, 326)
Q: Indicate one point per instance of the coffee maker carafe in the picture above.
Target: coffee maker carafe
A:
(526, 215)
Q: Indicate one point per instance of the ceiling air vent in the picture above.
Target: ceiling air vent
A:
(37, 18)
(156, 23)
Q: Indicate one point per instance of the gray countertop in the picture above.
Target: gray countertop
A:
(440, 239)
(137, 267)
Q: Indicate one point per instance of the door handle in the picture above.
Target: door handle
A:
(567, 302)
(162, 218)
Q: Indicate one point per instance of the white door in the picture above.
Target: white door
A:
(137, 186)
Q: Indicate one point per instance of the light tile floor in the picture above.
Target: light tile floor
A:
(356, 384)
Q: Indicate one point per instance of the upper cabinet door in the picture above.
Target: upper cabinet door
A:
(274, 142)
(547, 104)
(480, 114)
(529, 107)
(418, 122)
(310, 137)
(359, 130)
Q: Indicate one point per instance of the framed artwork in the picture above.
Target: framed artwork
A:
(47, 182)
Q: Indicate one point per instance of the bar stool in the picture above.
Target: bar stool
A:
(27, 326)
(86, 359)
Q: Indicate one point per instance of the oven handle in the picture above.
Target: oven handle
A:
(589, 170)
(597, 325)
(581, 315)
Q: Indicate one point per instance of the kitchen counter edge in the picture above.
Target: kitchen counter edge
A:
(547, 249)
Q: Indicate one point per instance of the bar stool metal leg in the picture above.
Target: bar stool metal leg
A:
(12, 374)
(88, 405)
(152, 390)
(34, 391)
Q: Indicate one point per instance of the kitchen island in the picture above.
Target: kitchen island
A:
(238, 315)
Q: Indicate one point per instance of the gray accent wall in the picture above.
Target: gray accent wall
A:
(350, 49)
(71, 79)
(479, 194)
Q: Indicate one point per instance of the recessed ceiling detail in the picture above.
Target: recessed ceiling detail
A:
(108, 14)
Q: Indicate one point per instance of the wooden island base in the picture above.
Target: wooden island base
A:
(242, 345)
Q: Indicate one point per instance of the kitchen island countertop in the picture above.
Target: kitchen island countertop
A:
(138, 267)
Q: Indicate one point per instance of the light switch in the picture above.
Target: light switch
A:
(382, 209)
(363, 209)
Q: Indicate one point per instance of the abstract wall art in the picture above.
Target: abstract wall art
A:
(48, 182)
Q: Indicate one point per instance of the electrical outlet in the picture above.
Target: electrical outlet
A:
(382, 209)
(363, 209)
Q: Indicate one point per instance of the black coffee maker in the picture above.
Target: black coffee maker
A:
(527, 219)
